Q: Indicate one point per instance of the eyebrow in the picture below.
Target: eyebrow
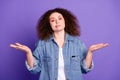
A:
(53, 17)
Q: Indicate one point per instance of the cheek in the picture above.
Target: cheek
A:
(52, 25)
(63, 23)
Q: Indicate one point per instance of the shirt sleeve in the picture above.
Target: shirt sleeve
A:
(84, 66)
(28, 67)
(37, 60)
(83, 62)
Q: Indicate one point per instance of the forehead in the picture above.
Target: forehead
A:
(55, 14)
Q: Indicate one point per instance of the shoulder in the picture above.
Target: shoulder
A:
(40, 42)
(77, 39)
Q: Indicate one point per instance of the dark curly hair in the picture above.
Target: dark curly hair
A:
(44, 29)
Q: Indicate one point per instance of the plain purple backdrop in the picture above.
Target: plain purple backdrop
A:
(99, 21)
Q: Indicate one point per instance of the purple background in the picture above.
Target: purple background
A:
(99, 21)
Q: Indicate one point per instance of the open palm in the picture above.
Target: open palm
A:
(21, 47)
(97, 46)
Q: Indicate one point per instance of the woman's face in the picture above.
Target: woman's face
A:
(57, 22)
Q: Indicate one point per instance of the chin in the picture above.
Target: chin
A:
(58, 30)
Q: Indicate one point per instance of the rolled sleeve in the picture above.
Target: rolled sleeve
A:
(36, 67)
(85, 69)
(28, 67)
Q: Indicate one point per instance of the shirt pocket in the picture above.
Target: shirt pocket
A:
(47, 63)
(75, 62)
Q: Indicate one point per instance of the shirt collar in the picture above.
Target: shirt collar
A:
(67, 37)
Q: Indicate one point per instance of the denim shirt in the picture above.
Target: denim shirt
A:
(46, 59)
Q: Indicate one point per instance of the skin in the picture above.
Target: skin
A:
(57, 23)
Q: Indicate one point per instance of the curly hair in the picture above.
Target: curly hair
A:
(44, 29)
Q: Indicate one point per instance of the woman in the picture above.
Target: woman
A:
(59, 54)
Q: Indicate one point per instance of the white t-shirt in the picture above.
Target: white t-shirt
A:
(61, 73)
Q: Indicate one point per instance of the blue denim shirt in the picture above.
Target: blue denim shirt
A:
(46, 59)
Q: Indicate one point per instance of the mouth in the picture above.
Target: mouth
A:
(57, 26)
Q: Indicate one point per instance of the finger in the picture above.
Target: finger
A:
(101, 46)
(18, 44)
(106, 44)
(96, 45)
(12, 45)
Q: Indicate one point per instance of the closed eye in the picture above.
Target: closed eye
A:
(52, 20)
(60, 18)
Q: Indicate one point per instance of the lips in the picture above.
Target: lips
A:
(57, 26)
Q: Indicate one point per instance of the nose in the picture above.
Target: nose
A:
(57, 21)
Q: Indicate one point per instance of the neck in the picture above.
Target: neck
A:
(59, 35)
(59, 38)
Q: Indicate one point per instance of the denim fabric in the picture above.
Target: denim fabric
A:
(46, 59)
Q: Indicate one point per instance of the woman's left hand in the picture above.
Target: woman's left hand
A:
(97, 46)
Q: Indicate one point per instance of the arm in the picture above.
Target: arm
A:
(90, 52)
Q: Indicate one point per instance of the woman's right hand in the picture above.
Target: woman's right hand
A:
(21, 47)
(27, 50)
